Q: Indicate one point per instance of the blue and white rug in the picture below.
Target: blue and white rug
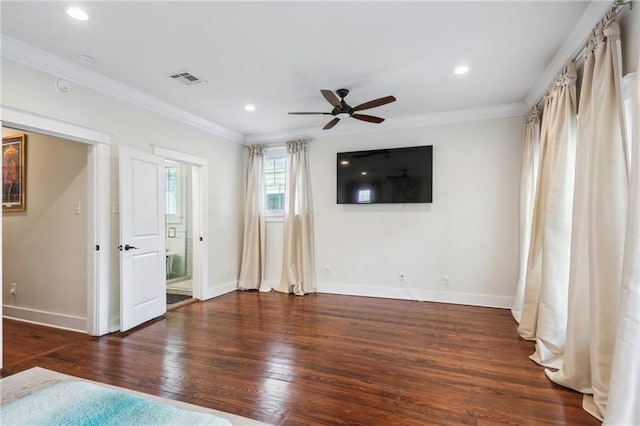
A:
(43, 397)
(80, 403)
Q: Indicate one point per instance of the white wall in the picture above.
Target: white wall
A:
(33, 90)
(45, 247)
(469, 233)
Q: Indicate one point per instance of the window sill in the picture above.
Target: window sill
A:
(278, 218)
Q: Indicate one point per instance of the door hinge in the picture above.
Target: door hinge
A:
(97, 247)
(201, 239)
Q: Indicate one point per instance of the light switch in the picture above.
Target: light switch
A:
(76, 208)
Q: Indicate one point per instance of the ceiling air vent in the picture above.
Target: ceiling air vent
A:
(185, 77)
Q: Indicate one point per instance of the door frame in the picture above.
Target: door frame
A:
(200, 240)
(98, 211)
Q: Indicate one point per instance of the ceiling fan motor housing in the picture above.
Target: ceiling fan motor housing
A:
(344, 108)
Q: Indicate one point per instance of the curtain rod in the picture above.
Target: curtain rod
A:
(617, 6)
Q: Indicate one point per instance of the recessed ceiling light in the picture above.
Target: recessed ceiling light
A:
(461, 69)
(250, 107)
(77, 13)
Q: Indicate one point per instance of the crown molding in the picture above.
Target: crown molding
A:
(39, 59)
(569, 49)
(398, 123)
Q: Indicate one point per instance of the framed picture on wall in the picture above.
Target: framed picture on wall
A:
(14, 173)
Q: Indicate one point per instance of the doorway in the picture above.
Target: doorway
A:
(96, 210)
(179, 231)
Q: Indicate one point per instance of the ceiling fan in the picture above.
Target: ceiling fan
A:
(342, 109)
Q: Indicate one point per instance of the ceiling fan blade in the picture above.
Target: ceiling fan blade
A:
(310, 113)
(331, 124)
(369, 118)
(331, 98)
(375, 103)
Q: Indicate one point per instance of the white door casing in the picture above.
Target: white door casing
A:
(98, 212)
(142, 238)
(200, 192)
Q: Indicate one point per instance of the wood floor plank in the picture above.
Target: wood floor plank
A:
(320, 360)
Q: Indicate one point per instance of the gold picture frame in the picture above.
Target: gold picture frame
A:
(14, 173)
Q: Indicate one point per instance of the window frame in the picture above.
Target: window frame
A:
(270, 154)
(179, 191)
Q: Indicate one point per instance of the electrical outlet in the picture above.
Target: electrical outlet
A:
(14, 288)
(445, 281)
(403, 276)
(327, 270)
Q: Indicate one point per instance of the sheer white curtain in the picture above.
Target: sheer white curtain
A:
(298, 260)
(599, 223)
(544, 312)
(253, 243)
(624, 397)
(528, 181)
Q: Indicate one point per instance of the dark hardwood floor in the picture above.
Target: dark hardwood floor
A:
(319, 360)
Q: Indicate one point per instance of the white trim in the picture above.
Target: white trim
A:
(220, 289)
(569, 49)
(200, 200)
(203, 230)
(51, 319)
(421, 295)
(200, 218)
(423, 120)
(42, 60)
(33, 122)
(99, 225)
(184, 157)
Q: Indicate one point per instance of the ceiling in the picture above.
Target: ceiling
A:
(278, 55)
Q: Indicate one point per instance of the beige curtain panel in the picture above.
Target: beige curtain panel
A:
(544, 313)
(623, 406)
(528, 181)
(599, 223)
(253, 243)
(298, 260)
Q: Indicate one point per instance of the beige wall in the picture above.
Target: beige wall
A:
(469, 232)
(33, 90)
(45, 247)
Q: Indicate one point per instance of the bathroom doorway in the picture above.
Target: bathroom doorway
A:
(179, 231)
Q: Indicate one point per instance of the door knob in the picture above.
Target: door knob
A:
(128, 247)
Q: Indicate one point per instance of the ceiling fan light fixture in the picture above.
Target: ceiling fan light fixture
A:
(343, 115)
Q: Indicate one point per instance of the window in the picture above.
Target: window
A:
(275, 171)
(172, 194)
(364, 196)
(628, 99)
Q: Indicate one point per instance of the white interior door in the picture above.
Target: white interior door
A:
(142, 239)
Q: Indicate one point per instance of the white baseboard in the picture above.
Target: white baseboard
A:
(51, 319)
(417, 294)
(219, 290)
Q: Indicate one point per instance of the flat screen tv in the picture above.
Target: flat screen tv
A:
(395, 175)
